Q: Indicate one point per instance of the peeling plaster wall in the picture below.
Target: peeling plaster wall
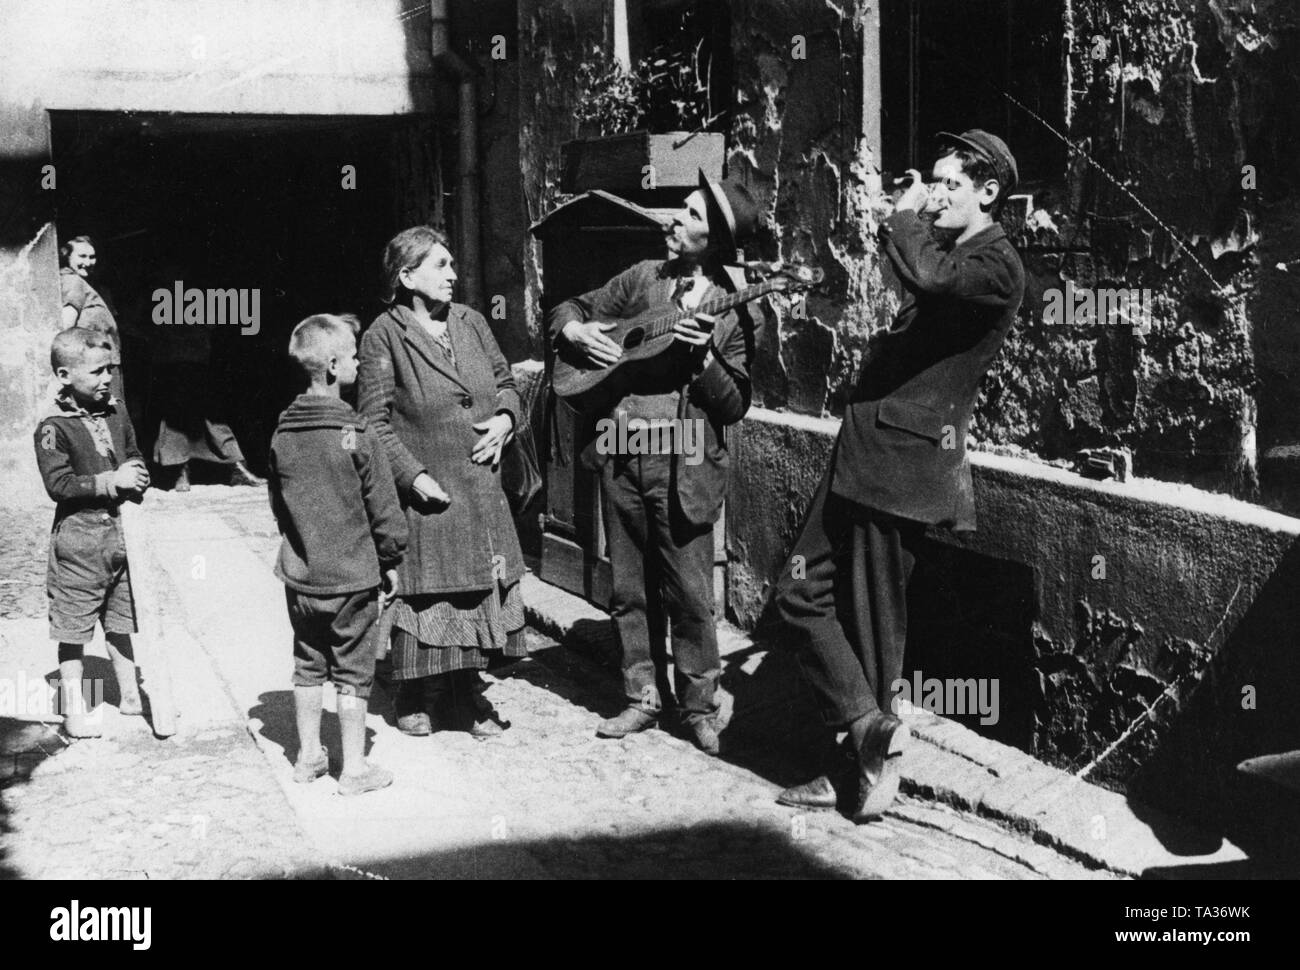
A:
(29, 298)
(1171, 98)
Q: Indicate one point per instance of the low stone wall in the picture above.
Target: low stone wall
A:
(1141, 634)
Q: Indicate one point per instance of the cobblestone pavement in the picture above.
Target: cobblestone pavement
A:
(547, 799)
(127, 806)
(132, 807)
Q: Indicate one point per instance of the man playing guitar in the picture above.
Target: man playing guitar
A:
(659, 509)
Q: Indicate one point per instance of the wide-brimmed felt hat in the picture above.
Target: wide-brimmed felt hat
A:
(993, 150)
(732, 211)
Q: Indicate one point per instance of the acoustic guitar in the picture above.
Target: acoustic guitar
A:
(586, 386)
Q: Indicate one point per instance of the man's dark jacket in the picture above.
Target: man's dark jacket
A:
(718, 396)
(902, 446)
(333, 497)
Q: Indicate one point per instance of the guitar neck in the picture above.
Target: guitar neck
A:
(719, 304)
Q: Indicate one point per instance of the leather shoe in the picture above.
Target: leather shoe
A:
(814, 795)
(408, 697)
(372, 779)
(630, 721)
(468, 715)
(417, 725)
(879, 766)
(454, 705)
(488, 727)
(704, 732)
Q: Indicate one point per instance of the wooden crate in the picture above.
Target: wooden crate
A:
(618, 163)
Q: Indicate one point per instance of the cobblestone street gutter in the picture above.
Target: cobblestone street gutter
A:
(950, 766)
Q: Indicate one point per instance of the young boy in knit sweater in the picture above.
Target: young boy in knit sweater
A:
(87, 455)
(344, 534)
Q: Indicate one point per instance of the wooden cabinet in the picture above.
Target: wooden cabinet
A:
(585, 241)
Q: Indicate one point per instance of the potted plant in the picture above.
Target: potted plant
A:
(644, 129)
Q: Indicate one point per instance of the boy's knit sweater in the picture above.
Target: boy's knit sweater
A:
(334, 500)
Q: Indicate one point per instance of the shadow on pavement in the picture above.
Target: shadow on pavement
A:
(275, 711)
(23, 745)
(776, 730)
(773, 730)
(587, 680)
(707, 851)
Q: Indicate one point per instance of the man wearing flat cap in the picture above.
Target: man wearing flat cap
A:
(899, 463)
(660, 509)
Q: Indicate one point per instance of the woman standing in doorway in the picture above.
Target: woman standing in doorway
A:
(84, 306)
(190, 394)
(440, 395)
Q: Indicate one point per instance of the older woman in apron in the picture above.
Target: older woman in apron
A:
(439, 394)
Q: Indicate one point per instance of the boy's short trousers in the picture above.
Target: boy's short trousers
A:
(87, 578)
(332, 639)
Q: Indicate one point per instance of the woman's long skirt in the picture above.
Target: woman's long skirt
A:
(442, 632)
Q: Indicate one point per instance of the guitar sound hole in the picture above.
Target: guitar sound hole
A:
(634, 338)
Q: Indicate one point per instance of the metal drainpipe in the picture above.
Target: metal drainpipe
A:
(465, 74)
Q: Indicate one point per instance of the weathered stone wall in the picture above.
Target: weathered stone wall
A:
(554, 37)
(1139, 632)
(795, 142)
(1171, 99)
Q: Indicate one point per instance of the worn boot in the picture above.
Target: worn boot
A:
(839, 774)
(703, 730)
(879, 766)
(632, 720)
(408, 705)
(457, 706)
(358, 776)
(812, 795)
(639, 715)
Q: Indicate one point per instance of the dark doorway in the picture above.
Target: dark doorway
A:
(245, 202)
